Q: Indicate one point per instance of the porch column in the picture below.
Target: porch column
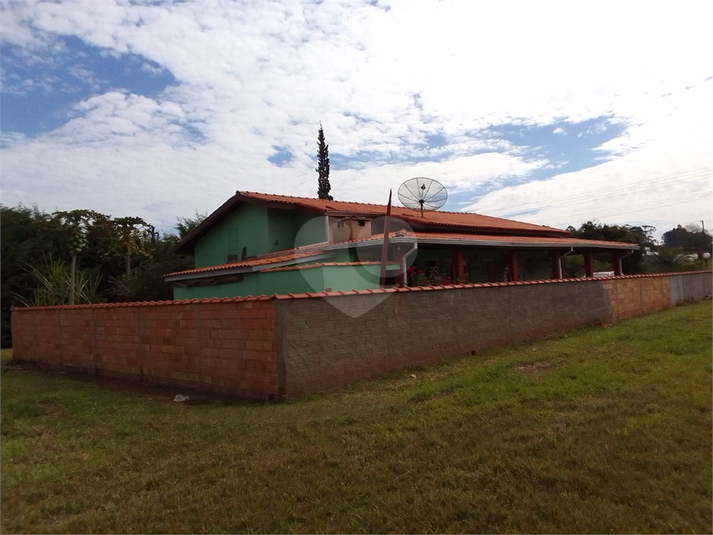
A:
(616, 262)
(556, 263)
(458, 266)
(512, 266)
(397, 255)
(588, 264)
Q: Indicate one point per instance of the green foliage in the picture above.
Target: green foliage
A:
(145, 281)
(186, 225)
(115, 259)
(668, 259)
(54, 285)
(607, 430)
(640, 235)
(27, 236)
(689, 239)
(323, 185)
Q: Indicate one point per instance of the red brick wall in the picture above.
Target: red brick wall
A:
(227, 346)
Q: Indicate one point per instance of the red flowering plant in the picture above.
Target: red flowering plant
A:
(416, 277)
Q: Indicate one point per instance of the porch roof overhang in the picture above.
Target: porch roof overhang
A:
(249, 265)
(322, 251)
(486, 240)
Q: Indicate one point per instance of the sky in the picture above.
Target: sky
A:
(553, 113)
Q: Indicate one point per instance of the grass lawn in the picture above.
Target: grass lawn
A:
(602, 430)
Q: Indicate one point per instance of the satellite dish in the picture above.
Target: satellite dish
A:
(423, 194)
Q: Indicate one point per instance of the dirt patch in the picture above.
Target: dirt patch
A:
(534, 367)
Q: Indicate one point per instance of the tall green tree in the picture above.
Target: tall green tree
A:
(76, 222)
(323, 185)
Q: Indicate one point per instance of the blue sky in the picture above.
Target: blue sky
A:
(542, 113)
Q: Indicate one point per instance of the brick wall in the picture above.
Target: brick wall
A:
(640, 294)
(266, 346)
(224, 346)
(633, 296)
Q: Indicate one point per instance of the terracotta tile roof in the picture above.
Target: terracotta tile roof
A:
(531, 241)
(434, 218)
(323, 264)
(439, 219)
(286, 255)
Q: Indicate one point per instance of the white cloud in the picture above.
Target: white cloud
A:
(662, 178)
(254, 75)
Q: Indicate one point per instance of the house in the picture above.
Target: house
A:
(258, 243)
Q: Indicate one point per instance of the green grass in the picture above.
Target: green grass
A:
(603, 430)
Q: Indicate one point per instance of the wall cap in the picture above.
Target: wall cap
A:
(281, 297)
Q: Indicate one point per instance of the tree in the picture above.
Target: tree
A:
(77, 222)
(641, 235)
(26, 234)
(690, 239)
(131, 231)
(187, 225)
(145, 281)
(323, 186)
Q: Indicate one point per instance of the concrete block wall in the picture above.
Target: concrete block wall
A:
(323, 348)
(263, 347)
(223, 346)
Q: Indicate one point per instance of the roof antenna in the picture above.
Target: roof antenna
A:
(423, 194)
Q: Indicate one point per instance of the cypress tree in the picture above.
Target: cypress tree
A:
(323, 186)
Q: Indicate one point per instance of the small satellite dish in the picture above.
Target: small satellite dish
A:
(423, 194)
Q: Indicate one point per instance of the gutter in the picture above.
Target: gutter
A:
(405, 260)
(627, 254)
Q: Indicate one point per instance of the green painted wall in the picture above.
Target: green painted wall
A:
(259, 230)
(248, 286)
(354, 277)
(308, 228)
(245, 227)
(294, 228)
(291, 281)
(281, 229)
